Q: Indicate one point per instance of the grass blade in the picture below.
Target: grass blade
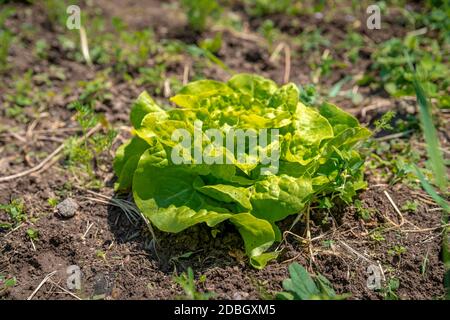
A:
(430, 190)
(429, 132)
(431, 137)
(437, 166)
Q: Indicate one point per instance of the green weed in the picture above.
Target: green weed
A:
(390, 291)
(198, 11)
(398, 80)
(377, 235)
(363, 212)
(187, 283)
(33, 234)
(302, 286)
(410, 206)
(84, 157)
(6, 38)
(397, 250)
(266, 7)
(6, 283)
(15, 210)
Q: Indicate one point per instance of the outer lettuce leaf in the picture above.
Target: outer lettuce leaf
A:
(255, 86)
(338, 119)
(126, 161)
(190, 95)
(280, 196)
(258, 236)
(143, 105)
(169, 196)
(228, 194)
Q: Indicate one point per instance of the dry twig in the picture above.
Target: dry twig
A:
(47, 277)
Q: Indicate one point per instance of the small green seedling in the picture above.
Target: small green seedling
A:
(397, 251)
(312, 40)
(174, 260)
(302, 286)
(213, 45)
(390, 291)
(377, 236)
(198, 11)
(15, 210)
(6, 283)
(328, 244)
(22, 95)
(385, 122)
(53, 202)
(33, 234)
(187, 282)
(100, 254)
(410, 206)
(153, 77)
(41, 49)
(424, 265)
(260, 8)
(352, 43)
(84, 154)
(269, 31)
(6, 38)
(363, 213)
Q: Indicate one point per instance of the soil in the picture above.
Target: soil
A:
(119, 260)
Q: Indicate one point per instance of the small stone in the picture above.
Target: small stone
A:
(68, 208)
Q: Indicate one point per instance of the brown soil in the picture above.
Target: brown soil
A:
(118, 260)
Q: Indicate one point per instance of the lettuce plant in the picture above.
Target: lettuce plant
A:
(307, 155)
